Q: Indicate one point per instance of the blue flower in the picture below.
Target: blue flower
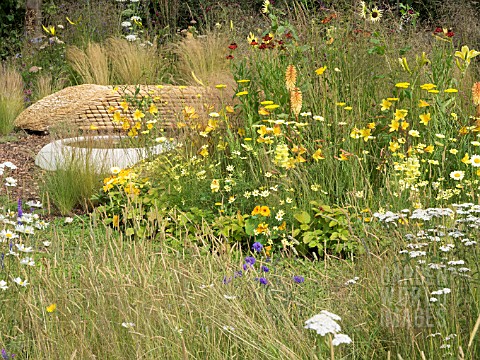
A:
(257, 246)
(20, 211)
(6, 356)
(298, 279)
(263, 281)
(238, 274)
(265, 269)
(250, 260)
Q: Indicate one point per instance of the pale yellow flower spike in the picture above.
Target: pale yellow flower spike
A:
(290, 77)
(296, 101)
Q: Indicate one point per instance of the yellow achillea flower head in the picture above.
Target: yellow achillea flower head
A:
(296, 101)
(402, 85)
(281, 155)
(428, 86)
(290, 77)
(450, 90)
(271, 106)
(51, 308)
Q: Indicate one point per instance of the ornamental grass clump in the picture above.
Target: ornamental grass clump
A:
(11, 98)
(74, 182)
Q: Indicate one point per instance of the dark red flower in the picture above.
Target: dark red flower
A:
(288, 35)
(229, 57)
(262, 46)
(449, 34)
(232, 46)
(438, 29)
(267, 38)
(254, 43)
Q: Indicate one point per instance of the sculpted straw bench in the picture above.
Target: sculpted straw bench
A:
(85, 105)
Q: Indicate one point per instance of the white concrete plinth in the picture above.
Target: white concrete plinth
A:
(59, 154)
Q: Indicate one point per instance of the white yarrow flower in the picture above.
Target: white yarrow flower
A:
(341, 339)
(324, 323)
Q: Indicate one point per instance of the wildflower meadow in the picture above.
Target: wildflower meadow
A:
(324, 204)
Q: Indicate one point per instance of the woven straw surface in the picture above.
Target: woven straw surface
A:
(85, 105)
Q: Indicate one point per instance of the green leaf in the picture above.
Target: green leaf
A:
(129, 232)
(250, 227)
(302, 217)
(404, 50)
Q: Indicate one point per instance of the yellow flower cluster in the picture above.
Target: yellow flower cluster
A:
(125, 180)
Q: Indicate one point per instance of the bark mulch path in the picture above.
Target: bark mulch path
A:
(21, 148)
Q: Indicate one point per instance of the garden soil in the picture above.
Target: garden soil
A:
(21, 150)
